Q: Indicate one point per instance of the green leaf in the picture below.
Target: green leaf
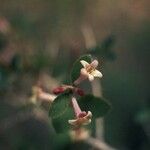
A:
(16, 63)
(98, 106)
(104, 50)
(143, 116)
(60, 123)
(75, 73)
(60, 105)
(4, 78)
(3, 41)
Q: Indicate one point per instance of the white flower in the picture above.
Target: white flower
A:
(82, 117)
(81, 120)
(88, 71)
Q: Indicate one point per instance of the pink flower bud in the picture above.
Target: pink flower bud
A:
(80, 92)
(58, 90)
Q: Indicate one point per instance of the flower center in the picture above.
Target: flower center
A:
(90, 69)
(82, 114)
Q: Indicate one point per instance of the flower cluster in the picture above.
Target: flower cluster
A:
(88, 71)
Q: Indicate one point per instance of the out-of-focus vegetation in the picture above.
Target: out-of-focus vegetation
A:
(39, 41)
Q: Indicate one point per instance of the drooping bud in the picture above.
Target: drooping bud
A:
(82, 117)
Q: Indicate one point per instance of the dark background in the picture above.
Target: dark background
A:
(40, 39)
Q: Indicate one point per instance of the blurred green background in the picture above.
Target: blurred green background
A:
(40, 40)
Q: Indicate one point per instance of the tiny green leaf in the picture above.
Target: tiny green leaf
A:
(75, 73)
(98, 106)
(60, 105)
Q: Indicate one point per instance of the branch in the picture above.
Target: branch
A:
(98, 145)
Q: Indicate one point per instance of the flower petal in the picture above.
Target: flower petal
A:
(85, 121)
(97, 73)
(73, 122)
(84, 72)
(90, 77)
(79, 121)
(94, 63)
(84, 63)
(89, 115)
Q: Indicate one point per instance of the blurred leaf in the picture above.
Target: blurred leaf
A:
(60, 105)
(103, 50)
(3, 41)
(61, 123)
(40, 60)
(143, 116)
(75, 73)
(6, 110)
(23, 24)
(61, 141)
(16, 63)
(58, 68)
(98, 106)
(4, 75)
